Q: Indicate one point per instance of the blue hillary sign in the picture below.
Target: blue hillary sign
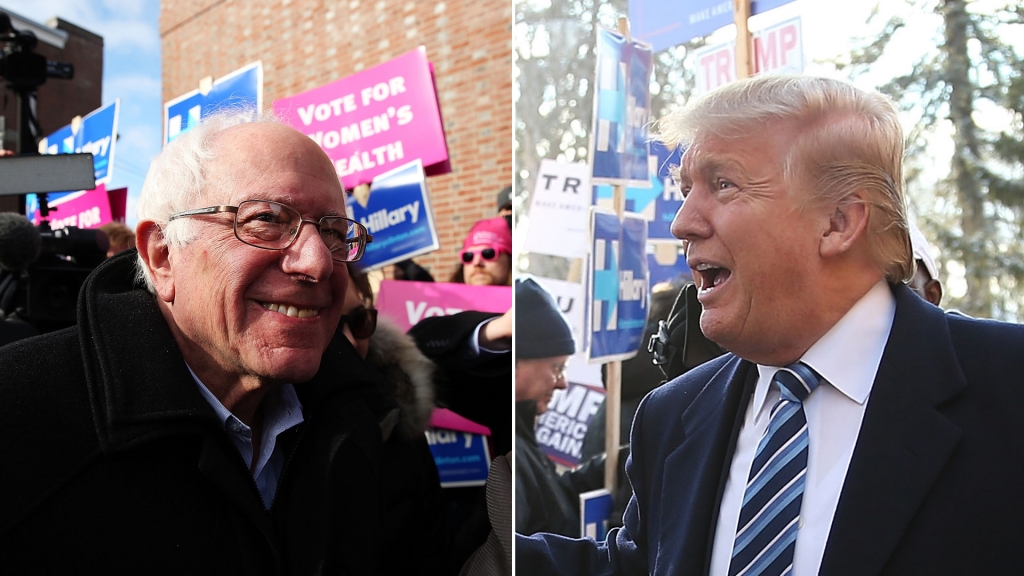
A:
(96, 133)
(669, 198)
(462, 458)
(617, 281)
(657, 203)
(243, 87)
(673, 269)
(595, 514)
(398, 215)
(667, 23)
(622, 108)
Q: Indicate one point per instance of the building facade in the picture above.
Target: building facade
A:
(304, 44)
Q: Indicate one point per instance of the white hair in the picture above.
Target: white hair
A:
(847, 140)
(177, 179)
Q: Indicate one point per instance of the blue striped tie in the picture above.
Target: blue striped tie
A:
(766, 532)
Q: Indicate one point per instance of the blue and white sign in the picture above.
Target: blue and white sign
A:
(243, 87)
(560, 430)
(96, 133)
(663, 24)
(669, 198)
(595, 514)
(398, 215)
(618, 289)
(622, 109)
(667, 262)
(462, 458)
(657, 203)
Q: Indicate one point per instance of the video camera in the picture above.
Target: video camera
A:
(19, 63)
(42, 270)
(25, 71)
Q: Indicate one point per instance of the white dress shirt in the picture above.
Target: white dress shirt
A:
(847, 358)
(281, 411)
(473, 351)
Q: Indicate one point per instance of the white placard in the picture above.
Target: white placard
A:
(569, 297)
(558, 210)
(778, 48)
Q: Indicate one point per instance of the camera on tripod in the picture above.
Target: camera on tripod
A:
(20, 65)
(41, 270)
(25, 71)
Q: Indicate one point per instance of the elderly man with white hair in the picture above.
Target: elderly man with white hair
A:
(205, 416)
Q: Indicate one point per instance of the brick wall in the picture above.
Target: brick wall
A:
(308, 43)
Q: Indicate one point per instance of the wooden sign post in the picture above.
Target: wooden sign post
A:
(744, 44)
(613, 370)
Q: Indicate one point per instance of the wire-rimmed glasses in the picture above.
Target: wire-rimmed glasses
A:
(275, 226)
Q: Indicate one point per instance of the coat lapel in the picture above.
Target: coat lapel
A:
(696, 470)
(904, 442)
(139, 385)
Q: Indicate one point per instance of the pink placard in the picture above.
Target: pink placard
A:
(90, 209)
(118, 204)
(445, 418)
(373, 121)
(406, 303)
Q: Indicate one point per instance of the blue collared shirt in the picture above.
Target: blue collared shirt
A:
(281, 411)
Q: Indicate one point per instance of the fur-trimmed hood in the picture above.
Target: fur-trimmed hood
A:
(409, 374)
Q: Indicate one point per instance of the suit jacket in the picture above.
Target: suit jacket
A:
(934, 485)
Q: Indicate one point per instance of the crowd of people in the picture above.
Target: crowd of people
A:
(230, 399)
(850, 425)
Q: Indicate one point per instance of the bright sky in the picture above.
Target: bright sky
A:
(131, 72)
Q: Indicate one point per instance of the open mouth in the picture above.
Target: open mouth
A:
(290, 311)
(708, 277)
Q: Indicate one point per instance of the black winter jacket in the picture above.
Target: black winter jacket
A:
(547, 501)
(111, 462)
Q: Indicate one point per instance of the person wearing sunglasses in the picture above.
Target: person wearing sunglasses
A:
(202, 415)
(410, 377)
(408, 374)
(486, 255)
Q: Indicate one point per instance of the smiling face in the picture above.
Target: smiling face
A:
(483, 273)
(752, 244)
(239, 311)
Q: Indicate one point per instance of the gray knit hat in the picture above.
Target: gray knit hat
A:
(541, 329)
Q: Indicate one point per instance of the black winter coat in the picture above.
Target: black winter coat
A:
(547, 501)
(480, 391)
(112, 462)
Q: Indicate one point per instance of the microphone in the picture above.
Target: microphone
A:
(20, 242)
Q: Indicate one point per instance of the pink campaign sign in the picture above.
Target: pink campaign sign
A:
(91, 209)
(373, 121)
(406, 303)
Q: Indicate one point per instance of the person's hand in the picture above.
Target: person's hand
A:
(6, 152)
(497, 334)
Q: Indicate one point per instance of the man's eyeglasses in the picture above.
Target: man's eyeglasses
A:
(558, 370)
(362, 322)
(275, 226)
(487, 254)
